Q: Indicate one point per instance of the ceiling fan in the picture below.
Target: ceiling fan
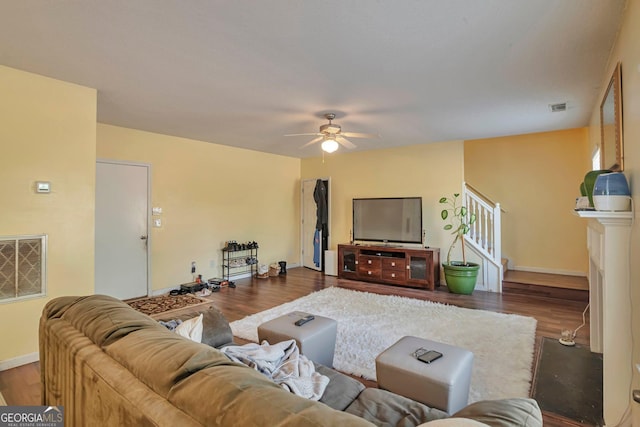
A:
(331, 135)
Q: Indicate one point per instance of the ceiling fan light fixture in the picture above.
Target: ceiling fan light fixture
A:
(332, 137)
(329, 145)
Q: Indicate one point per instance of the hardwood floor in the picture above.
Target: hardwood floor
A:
(21, 386)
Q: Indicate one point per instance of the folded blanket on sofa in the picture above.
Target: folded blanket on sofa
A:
(282, 363)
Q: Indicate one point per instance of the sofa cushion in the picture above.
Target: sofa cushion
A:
(384, 408)
(240, 396)
(504, 412)
(161, 358)
(342, 389)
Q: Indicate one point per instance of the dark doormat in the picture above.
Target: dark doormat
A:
(568, 382)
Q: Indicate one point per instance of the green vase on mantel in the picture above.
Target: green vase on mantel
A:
(590, 181)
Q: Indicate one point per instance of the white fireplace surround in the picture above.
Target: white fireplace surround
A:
(608, 239)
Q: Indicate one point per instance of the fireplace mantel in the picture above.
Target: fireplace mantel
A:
(607, 216)
(608, 239)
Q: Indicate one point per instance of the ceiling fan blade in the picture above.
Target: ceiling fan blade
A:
(303, 134)
(359, 135)
(345, 142)
(313, 141)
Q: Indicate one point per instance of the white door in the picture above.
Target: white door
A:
(121, 229)
(310, 258)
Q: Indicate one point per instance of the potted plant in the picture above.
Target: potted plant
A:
(460, 275)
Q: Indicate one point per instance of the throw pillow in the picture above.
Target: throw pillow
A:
(191, 329)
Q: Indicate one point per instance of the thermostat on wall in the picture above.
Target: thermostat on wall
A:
(43, 187)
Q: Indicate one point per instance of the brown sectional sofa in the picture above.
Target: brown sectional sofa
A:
(110, 365)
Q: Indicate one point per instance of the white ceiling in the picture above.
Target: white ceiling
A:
(244, 73)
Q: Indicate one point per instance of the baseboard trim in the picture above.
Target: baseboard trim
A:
(19, 361)
(156, 292)
(549, 271)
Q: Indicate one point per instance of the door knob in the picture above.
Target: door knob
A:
(143, 237)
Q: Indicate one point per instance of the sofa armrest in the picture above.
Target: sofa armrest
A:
(514, 412)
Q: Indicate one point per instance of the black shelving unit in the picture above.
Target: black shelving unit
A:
(239, 259)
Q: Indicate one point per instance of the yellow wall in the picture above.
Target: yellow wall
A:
(47, 132)
(627, 51)
(427, 170)
(209, 194)
(536, 179)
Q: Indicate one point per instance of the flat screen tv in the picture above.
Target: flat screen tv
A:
(391, 219)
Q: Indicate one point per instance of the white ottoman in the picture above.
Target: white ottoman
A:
(443, 383)
(316, 339)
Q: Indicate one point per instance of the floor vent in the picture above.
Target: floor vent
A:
(22, 267)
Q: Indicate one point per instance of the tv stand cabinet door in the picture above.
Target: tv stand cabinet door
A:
(348, 262)
(423, 268)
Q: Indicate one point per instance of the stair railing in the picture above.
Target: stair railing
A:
(484, 235)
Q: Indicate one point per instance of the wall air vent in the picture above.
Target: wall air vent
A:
(558, 107)
(23, 271)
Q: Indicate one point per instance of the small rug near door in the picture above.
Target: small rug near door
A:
(502, 344)
(568, 382)
(165, 303)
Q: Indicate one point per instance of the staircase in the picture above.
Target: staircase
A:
(484, 241)
(484, 238)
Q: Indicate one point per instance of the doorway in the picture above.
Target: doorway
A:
(121, 235)
(315, 241)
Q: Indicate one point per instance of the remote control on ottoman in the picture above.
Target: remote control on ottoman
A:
(304, 320)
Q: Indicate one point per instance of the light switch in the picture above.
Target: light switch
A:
(157, 222)
(43, 187)
(156, 211)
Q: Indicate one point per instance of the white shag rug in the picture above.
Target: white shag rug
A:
(368, 323)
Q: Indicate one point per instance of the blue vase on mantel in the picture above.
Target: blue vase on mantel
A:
(611, 192)
(590, 181)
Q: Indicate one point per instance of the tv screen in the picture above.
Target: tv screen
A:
(392, 219)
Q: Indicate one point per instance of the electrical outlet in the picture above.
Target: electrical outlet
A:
(193, 267)
(212, 263)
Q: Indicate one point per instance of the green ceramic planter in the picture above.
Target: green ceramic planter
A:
(589, 182)
(461, 279)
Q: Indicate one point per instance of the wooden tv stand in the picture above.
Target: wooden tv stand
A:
(415, 267)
